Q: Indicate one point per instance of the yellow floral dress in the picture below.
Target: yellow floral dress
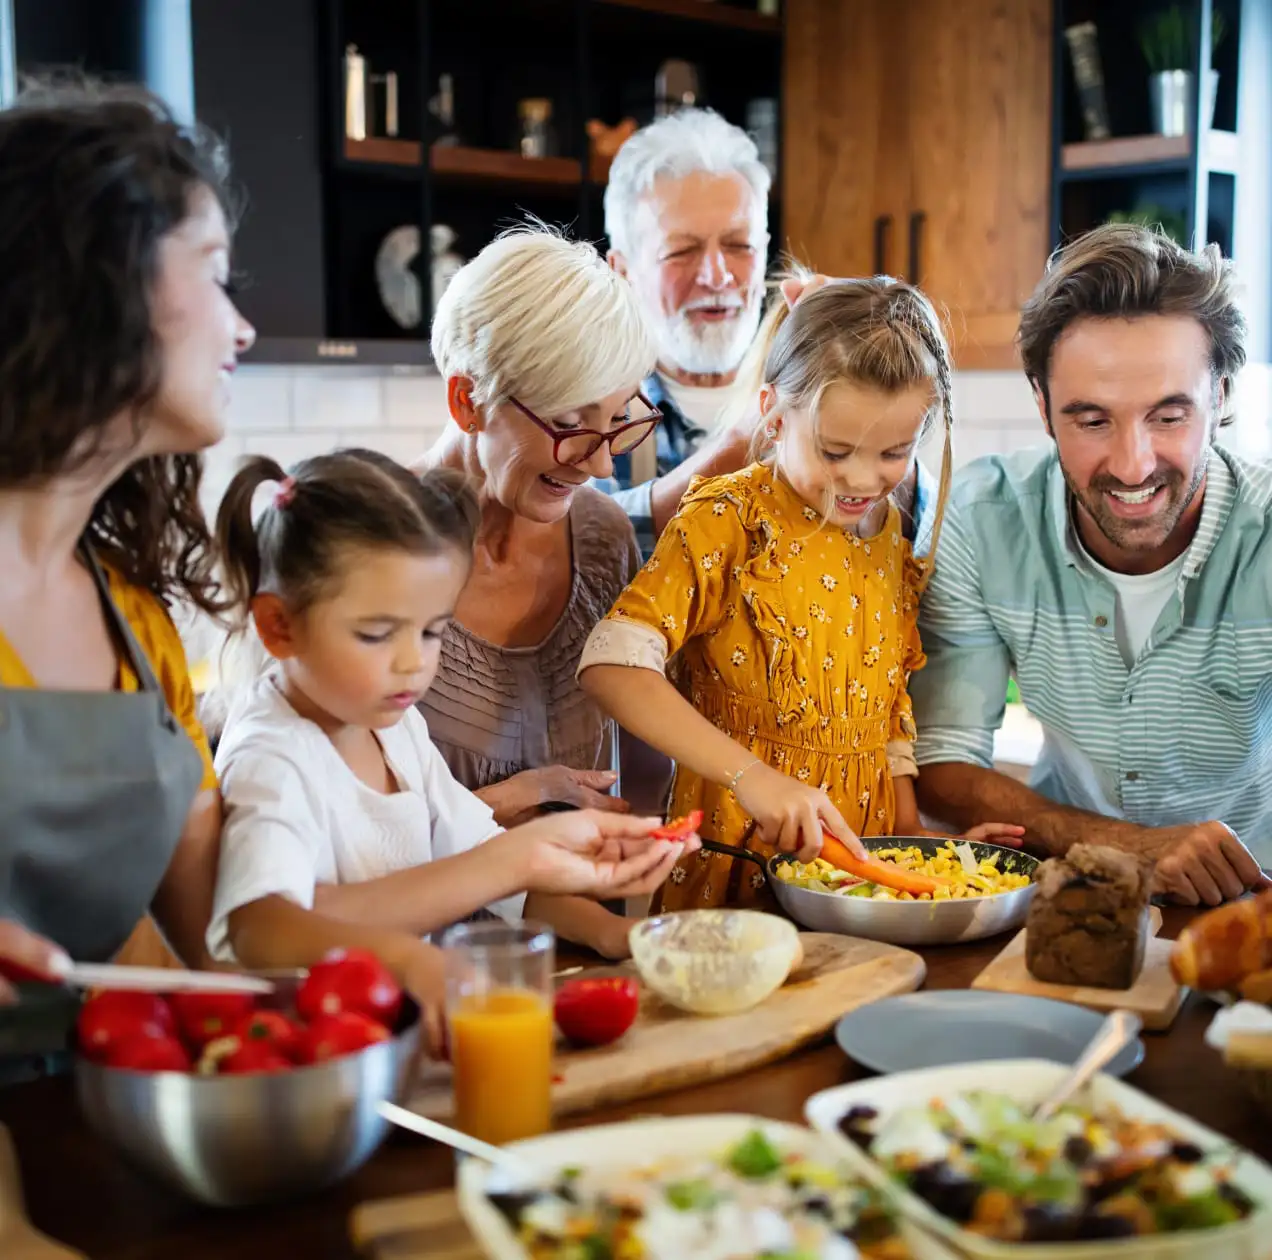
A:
(795, 637)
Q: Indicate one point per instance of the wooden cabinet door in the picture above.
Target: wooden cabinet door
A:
(845, 168)
(936, 119)
(980, 163)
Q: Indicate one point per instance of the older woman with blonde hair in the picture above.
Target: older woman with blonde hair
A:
(543, 348)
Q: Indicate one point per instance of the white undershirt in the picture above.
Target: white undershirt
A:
(705, 406)
(1140, 600)
(296, 816)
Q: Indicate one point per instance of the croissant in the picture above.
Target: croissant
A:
(1225, 945)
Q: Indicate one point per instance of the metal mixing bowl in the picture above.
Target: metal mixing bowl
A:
(231, 1141)
(904, 922)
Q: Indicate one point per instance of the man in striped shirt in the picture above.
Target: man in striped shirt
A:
(1123, 574)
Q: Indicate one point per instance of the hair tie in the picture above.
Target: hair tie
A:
(285, 493)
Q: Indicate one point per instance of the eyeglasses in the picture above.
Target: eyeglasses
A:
(576, 445)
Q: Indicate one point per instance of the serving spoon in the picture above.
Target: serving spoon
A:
(1119, 1029)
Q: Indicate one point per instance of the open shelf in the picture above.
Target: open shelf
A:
(498, 166)
(705, 11)
(1126, 155)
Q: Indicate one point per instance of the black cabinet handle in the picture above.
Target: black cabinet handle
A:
(882, 225)
(915, 270)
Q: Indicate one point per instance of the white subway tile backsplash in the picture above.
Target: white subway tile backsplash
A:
(397, 444)
(261, 399)
(327, 398)
(415, 402)
(291, 448)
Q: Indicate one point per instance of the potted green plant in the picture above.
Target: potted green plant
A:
(1168, 42)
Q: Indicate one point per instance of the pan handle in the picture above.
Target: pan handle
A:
(735, 851)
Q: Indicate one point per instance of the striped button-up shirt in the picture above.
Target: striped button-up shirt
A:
(1184, 733)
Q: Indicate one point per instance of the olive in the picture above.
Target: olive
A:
(1187, 1152)
(1049, 1222)
(513, 1203)
(1236, 1196)
(948, 1191)
(1107, 1188)
(818, 1205)
(1105, 1225)
(855, 1126)
(1077, 1150)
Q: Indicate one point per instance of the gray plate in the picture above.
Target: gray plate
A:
(923, 1030)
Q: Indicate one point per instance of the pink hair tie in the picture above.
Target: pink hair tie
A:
(285, 493)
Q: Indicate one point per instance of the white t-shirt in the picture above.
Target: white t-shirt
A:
(296, 816)
(1140, 600)
(705, 406)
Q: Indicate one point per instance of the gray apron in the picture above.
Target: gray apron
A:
(95, 788)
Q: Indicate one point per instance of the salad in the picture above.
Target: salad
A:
(982, 1161)
(750, 1201)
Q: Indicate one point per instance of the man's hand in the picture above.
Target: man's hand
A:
(1202, 864)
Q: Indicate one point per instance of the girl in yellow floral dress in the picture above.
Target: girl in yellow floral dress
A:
(788, 596)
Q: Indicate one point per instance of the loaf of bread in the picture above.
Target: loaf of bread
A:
(1088, 922)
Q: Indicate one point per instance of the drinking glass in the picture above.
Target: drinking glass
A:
(499, 1009)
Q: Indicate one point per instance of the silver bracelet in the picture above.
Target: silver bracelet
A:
(737, 778)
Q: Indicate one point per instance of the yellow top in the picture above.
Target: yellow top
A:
(795, 637)
(162, 645)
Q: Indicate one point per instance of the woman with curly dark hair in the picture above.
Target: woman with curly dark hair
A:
(118, 336)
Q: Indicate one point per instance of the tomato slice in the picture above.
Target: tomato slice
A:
(679, 828)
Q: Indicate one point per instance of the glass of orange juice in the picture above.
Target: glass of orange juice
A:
(499, 1010)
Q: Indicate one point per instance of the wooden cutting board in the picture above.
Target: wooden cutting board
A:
(669, 1049)
(1154, 997)
(413, 1227)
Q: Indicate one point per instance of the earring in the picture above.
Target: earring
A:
(472, 428)
(772, 431)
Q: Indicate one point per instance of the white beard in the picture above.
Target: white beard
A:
(708, 348)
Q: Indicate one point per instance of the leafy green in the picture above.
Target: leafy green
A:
(691, 1196)
(1203, 1211)
(755, 1156)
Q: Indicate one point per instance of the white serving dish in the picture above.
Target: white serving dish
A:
(635, 1143)
(1029, 1080)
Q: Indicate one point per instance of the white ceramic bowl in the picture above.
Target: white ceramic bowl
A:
(1028, 1080)
(714, 962)
(633, 1144)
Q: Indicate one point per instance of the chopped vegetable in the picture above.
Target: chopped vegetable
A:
(755, 1156)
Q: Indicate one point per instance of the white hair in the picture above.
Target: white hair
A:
(684, 143)
(542, 319)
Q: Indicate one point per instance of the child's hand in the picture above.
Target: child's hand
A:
(791, 815)
(593, 854)
(1007, 834)
(612, 943)
(424, 977)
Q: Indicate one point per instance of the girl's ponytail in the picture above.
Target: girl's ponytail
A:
(236, 538)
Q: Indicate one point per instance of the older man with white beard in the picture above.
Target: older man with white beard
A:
(686, 212)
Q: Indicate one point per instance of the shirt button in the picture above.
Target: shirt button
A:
(1101, 621)
(1132, 776)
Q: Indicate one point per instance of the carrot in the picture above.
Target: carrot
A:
(838, 854)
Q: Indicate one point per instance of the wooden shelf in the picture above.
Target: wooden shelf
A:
(496, 166)
(705, 11)
(1121, 155)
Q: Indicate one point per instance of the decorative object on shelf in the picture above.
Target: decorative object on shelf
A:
(603, 142)
(768, 8)
(1168, 43)
(1084, 52)
(396, 272)
(761, 126)
(676, 86)
(360, 85)
(538, 137)
(355, 94)
(1171, 222)
(389, 81)
(442, 108)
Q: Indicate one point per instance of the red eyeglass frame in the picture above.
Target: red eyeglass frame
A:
(652, 420)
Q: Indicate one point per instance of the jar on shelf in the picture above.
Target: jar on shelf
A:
(538, 136)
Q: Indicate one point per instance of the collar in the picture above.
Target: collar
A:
(1219, 495)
